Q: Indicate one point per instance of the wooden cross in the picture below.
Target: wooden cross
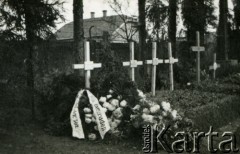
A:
(215, 66)
(171, 61)
(88, 65)
(198, 49)
(155, 61)
(132, 63)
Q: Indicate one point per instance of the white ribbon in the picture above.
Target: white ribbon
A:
(76, 123)
(101, 118)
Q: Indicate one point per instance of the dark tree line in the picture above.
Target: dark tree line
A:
(198, 15)
(31, 21)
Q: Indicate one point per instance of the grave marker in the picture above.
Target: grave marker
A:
(132, 63)
(155, 61)
(171, 61)
(198, 49)
(88, 65)
(215, 66)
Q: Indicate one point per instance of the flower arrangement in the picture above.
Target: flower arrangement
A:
(118, 111)
(122, 115)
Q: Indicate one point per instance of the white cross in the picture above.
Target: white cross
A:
(171, 61)
(215, 66)
(198, 49)
(133, 63)
(88, 65)
(155, 61)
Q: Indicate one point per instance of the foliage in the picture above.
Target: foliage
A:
(198, 16)
(62, 90)
(112, 75)
(233, 79)
(41, 16)
(57, 100)
(157, 14)
(226, 70)
(185, 68)
(237, 13)
(223, 30)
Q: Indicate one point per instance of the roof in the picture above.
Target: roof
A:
(109, 24)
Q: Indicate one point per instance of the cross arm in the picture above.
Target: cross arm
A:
(214, 67)
(155, 61)
(133, 63)
(171, 60)
(197, 48)
(78, 66)
(88, 65)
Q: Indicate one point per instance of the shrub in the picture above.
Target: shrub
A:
(57, 102)
(62, 90)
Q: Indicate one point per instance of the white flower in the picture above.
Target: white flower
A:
(166, 106)
(87, 110)
(119, 97)
(174, 114)
(189, 84)
(146, 111)
(154, 109)
(88, 120)
(123, 103)
(175, 126)
(143, 100)
(88, 115)
(137, 107)
(109, 96)
(111, 91)
(117, 113)
(92, 136)
(106, 104)
(117, 121)
(160, 117)
(111, 107)
(141, 94)
(93, 120)
(114, 125)
(133, 116)
(114, 102)
(150, 103)
(103, 99)
(164, 113)
(148, 118)
(96, 128)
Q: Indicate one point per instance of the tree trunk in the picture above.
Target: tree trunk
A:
(142, 31)
(237, 14)
(78, 32)
(202, 14)
(30, 60)
(223, 44)
(172, 29)
(195, 18)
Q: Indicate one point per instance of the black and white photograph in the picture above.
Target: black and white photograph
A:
(119, 76)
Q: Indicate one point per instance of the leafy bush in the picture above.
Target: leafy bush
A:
(227, 70)
(58, 101)
(62, 90)
(228, 85)
(233, 79)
